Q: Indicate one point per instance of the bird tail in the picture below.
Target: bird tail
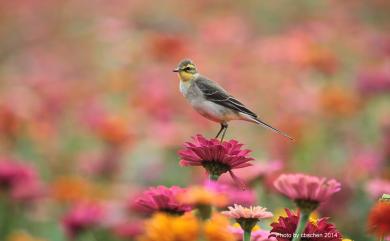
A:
(262, 123)
(254, 119)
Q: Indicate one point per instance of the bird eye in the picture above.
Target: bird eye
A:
(187, 68)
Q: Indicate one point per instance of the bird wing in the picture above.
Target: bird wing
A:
(216, 94)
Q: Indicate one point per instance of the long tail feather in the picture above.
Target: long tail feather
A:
(262, 123)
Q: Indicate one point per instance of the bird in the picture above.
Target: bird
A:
(212, 101)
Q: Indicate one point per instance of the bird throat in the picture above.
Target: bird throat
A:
(184, 76)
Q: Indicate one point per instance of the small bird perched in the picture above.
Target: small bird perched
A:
(212, 101)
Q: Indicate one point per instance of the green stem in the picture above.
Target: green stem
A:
(303, 218)
(246, 236)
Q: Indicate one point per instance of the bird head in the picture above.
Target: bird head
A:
(186, 70)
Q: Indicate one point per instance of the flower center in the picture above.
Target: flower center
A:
(247, 224)
(215, 169)
(307, 205)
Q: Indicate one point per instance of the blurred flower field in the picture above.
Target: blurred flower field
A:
(97, 143)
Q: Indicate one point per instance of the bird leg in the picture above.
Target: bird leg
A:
(225, 127)
(220, 130)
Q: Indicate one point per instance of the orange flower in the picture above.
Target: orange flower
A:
(379, 219)
(71, 189)
(163, 227)
(217, 229)
(199, 196)
(337, 101)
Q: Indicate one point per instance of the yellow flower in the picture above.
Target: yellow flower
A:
(216, 229)
(198, 195)
(164, 227)
(22, 236)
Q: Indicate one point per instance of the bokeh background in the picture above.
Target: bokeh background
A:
(89, 100)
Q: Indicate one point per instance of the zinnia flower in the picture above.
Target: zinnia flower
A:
(216, 157)
(198, 195)
(217, 229)
(203, 199)
(307, 191)
(83, 216)
(163, 227)
(161, 199)
(247, 217)
(240, 212)
(379, 218)
(316, 230)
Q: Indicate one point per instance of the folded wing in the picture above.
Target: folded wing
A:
(216, 94)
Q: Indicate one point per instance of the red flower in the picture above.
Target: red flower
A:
(216, 157)
(379, 219)
(161, 199)
(319, 230)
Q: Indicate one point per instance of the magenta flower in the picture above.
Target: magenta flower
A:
(307, 191)
(216, 157)
(20, 181)
(315, 230)
(83, 216)
(161, 199)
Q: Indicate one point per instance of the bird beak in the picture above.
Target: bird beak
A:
(176, 70)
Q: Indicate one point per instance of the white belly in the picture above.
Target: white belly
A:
(208, 109)
(214, 111)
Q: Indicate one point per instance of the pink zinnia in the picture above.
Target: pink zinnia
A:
(318, 230)
(83, 216)
(252, 212)
(307, 191)
(216, 157)
(161, 199)
(247, 217)
(20, 181)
